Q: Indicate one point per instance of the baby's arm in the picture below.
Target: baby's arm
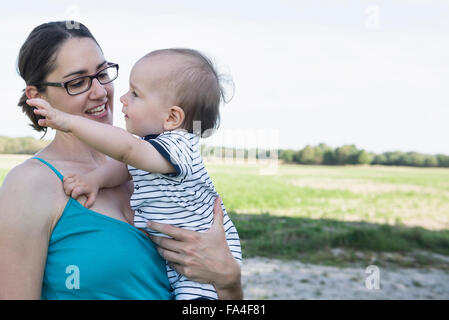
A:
(111, 174)
(112, 141)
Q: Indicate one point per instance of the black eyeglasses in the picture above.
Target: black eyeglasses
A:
(82, 84)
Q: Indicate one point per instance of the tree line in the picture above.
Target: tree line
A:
(321, 154)
(350, 154)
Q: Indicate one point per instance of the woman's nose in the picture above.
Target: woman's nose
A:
(97, 90)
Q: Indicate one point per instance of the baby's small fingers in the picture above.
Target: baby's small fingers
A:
(68, 189)
(42, 123)
(77, 192)
(42, 112)
(70, 185)
(68, 180)
(90, 200)
(37, 102)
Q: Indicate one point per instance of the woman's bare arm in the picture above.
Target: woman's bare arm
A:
(202, 256)
(25, 219)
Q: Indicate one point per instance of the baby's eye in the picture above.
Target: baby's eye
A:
(134, 94)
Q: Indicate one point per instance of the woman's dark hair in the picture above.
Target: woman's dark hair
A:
(198, 89)
(38, 54)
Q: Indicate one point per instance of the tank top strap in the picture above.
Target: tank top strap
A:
(60, 176)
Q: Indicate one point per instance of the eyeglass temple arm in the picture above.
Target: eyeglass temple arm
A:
(53, 84)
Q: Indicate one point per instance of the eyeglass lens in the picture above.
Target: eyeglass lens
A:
(82, 84)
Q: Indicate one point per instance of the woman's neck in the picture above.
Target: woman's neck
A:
(66, 147)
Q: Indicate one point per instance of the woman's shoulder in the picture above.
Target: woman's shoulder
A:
(31, 173)
(29, 189)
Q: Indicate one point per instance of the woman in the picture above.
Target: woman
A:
(54, 248)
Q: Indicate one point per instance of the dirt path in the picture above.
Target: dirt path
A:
(275, 279)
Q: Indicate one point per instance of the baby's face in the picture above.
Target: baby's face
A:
(147, 101)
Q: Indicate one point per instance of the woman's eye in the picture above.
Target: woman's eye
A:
(103, 75)
(77, 84)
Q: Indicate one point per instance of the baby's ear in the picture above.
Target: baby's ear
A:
(175, 118)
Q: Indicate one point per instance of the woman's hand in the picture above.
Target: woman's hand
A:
(202, 256)
(54, 118)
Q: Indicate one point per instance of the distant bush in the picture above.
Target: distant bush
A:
(23, 145)
(364, 157)
(443, 160)
(346, 154)
(287, 155)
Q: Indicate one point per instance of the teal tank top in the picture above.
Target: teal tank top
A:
(92, 256)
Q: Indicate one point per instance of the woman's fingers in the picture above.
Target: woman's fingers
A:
(168, 244)
(172, 256)
(176, 266)
(174, 232)
(185, 235)
(203, 257)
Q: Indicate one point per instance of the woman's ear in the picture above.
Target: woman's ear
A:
(175, 118)
(31, 92)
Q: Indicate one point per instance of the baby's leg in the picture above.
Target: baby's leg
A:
(186, 289)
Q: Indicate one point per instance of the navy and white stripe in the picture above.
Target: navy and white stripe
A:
(184, 199)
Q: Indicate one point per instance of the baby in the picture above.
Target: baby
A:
(172, 93)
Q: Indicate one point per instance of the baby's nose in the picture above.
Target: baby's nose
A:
(122, 99)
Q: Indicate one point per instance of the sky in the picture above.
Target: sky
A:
(370, 73)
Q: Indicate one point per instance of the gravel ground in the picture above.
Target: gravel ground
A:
(278, 280)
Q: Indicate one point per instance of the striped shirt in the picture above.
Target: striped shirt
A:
(184, 199)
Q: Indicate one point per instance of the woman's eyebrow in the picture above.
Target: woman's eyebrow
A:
(83, 71)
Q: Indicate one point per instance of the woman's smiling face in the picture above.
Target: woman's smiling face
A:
(81, 57)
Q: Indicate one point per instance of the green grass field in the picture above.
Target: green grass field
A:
(389, 215)
(334, 215)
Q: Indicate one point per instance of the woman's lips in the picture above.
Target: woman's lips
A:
(99, 115)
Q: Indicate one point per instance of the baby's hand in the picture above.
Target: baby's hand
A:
(78, 185)
(54, 118)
